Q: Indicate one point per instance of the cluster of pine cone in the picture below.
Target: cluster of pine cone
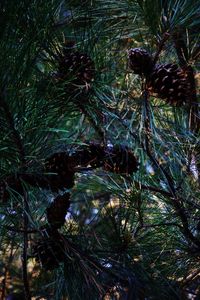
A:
(58, 175)
(167, 81)
(77, 70)
(59, 169)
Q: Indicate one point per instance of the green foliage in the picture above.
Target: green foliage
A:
(132, 236)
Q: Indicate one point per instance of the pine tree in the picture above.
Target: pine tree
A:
(99, 144)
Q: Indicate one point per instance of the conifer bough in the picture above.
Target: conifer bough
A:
(60, 168)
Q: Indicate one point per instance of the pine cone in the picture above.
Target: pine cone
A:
(49, 250)
(166, 81)
(57, 210)
(120, 159)
(169, 82)
(92, 154)
(140, 61)
(117, 159)
(76, 68)
(61, 165)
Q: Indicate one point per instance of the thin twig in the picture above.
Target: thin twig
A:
(98, 128)
(181, 48)
(156, 190)
(145, 226)
(196, 53)
(190, 277)
(160, 47)
(161, 224)
(13, 229)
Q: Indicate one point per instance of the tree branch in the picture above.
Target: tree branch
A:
(175, 201)
(19, 144)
